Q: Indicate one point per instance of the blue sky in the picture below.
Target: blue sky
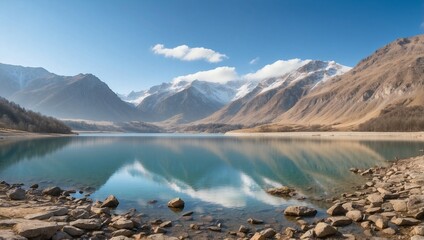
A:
(114, 39)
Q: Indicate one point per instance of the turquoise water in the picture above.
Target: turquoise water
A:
(215, 174)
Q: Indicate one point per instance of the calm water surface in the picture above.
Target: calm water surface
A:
(219, 176)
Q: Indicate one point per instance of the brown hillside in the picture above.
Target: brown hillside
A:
(393, 75)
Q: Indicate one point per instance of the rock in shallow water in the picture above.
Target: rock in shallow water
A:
(176, 203)
(110, 202)
(300, 211)
(52, 191)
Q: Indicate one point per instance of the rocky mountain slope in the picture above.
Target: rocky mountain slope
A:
(390, 78)
(12, 116)
(274, 96)
(83, 96)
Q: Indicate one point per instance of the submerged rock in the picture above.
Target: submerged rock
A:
(281, 191)
(52, 191)
(176, 203)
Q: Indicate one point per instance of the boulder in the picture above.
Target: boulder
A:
(52, 191)
(123, 223)
(87, 224)
(10, 235)
(399, 205)
(39, 216)
(176, 203)
(268, 232)
(258, 236)
(336, 210)
(122, 232)
(405, 221)
(300, 211)
(73, 231)
(322, 230)
(375, 199)
(243, 229)
(254, 221)
(340, 221)
(161, 237)
(61, 236)
(110, 202)
(36, 229)
(417, 237)
(16, 194)
(355, 215)
(308, 234)
(418, 230)
(166, 224)
(79, 213)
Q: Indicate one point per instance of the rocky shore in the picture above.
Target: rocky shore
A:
(389, 206)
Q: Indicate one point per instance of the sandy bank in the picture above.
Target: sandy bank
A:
(10, 134)
(395, 136)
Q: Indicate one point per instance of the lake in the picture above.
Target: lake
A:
(221, 178)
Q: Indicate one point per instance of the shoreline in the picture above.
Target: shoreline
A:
(390, 205)
(377, 136)
(10, 134)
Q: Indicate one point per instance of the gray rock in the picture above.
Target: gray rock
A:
(161, 237)
(301, 211)
(243, 229)
(254, 221)
(39, 216)
(36, 229)
(389, 231)
(122, 232)
(110, 202)
(73, 231)
(268, 233)
(355, 215)
(405, 221)
(340, 221)
(215, 229)
(10, 235)
(87, 224)
(336, 210)
(16, 194)
(322, 230)
(375, 199)
(418, 230)
(399, 205)
(308, 234)
(79, 213)
(166, 224)
(52, 191)
(123, 224)
(176, 203)
(61, 236)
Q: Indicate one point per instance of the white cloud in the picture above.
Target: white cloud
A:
(276, 69)
(186, 53)
(254, 61)
(218, 75)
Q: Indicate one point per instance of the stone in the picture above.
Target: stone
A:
(281, 191)
(268, 233)
(322, 230)
(52, 191)
(366, 224)
(389, 231)
(87, 224)
(176, 203)
(122, 232)
(161, 237)
(355, 215)
(258, 236)
(159, 230)
(336, 210)
(399, 205)
(79, 213)
(10, 235)
(99, 211)
(243, 229)
(418, 230)
(373, 210)
(187, 214)
(123, 224)
(375, 199)
(290, 232)
(254, 221)
(73, 231)
(301, 211)
(16, 194)
(166, 224)
(417, 213)
(340, 221)
(110, 202)
(39, 216)
(34, 186)
(308, 234)
(417, 237)
(36, 229)
(415, 202)
(214, 229)
(405, 221)
(61, 236)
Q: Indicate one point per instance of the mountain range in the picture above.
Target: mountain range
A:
(309, 92)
